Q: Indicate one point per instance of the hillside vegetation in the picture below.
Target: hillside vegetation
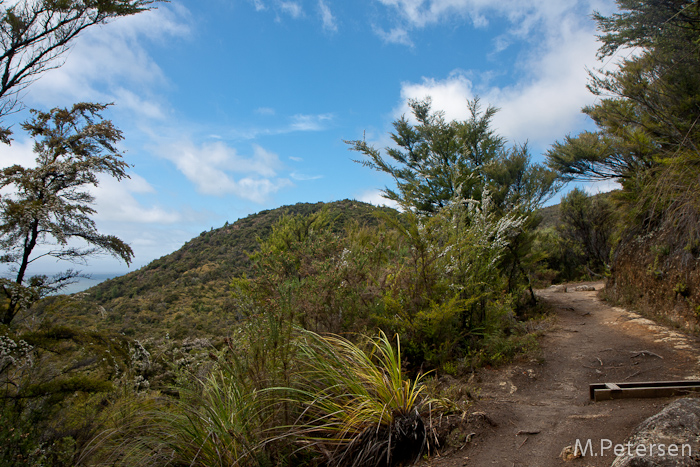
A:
(238, 329)
(187, 293)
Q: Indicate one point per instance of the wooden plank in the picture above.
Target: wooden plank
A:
(608, 391)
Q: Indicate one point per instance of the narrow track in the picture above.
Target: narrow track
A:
(591, 342)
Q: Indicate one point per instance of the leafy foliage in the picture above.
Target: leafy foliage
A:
(359, 408)
(588, 228)
(647, 111)
(439, 162)
(33, 34)
(52, 384)
(336, 403)
(431, 280)
(49, 208)
(312, 275)
(187, 293)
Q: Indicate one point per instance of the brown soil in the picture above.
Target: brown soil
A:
(590, 342)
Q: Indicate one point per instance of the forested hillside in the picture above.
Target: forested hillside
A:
(187, 292)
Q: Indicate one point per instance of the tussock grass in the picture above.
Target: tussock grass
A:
(359, 410)
(345, 405)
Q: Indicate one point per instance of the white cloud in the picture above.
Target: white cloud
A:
(546, 102)
(548, 105)
(449, 95)
(420, 13)
(293, 9)
(107, 60)
(129, 100)
(259, 5)
(397, 35)
(524, 16)
(329, 21)
(501, 43)
(212, 168)
(115, 201)
(302, 122)
(265, 111)
(298, 122)
(303, 177)
(295, 159)
(20, 152)
(375, 198)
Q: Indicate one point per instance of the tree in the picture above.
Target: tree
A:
(648, 105)
(49, 212)
(587, 229)
(648, 136)
(34, 33)
(437, 160)
(516, 183)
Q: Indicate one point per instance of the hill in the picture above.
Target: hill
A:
(550, 216)
(187, 291)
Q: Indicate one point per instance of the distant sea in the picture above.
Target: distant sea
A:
(84, 284)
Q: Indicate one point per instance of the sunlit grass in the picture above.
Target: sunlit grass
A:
(359, 410)
(215, 425)
(344, 405)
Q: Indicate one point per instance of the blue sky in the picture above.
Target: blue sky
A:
(229, 107)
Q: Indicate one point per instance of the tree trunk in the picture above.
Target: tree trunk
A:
(13, 295)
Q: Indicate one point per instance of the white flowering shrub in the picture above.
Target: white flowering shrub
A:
(15, 357)
(439, 298)
(470, 240)
(17, 364)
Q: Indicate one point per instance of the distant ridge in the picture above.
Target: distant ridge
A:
(188, 290)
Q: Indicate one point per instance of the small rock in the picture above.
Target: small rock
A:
(570, 453)
(585, 288)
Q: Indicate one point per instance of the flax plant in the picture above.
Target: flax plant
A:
(358, 409)
(219, 431)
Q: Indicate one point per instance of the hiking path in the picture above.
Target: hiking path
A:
(529, 411)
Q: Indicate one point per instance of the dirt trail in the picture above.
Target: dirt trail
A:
(590, 342)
